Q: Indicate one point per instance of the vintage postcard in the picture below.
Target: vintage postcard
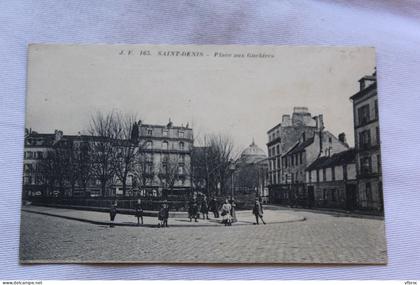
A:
(202, 154)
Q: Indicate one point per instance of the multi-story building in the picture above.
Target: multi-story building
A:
(280, 138)
(303, 153)
(53, 163)
(331, 181)
(168, 151)
(367, 143)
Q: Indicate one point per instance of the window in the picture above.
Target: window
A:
(181, 134)
(378, 140)
(333, 173)
(278, 149)
(324, 175)
(376, 110)
(180, 169)
(164, 168)
(149, 145)
(181, 145)
(364, 115)
(364, 139)
(368, 190)
(165, 132)
(333, 195)
(365, 165)
(149, 168)
(165, 145)
(317, 175)
(182, 158)
(325, 194)
(149, 132)
(310, 175)
(378, 162)
(301, 157)
(330, 140)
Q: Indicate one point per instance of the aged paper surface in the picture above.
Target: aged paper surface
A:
(202, 154)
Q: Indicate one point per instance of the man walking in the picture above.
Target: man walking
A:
(214, 207)
(258, 211)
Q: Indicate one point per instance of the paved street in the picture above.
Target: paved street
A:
(320, 238)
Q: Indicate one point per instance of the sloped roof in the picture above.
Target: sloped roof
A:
(341, 158)
(301, 146)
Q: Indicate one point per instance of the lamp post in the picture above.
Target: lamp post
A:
(232, 168)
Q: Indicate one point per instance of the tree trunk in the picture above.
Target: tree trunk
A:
(124, 187)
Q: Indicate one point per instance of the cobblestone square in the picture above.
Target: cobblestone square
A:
(319, 238)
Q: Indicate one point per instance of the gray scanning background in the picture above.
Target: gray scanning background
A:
(393, 27)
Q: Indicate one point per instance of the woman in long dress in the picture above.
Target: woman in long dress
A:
(226, 217)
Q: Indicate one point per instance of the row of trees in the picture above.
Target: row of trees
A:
(111, 149)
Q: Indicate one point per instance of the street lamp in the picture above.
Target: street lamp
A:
(232, 168)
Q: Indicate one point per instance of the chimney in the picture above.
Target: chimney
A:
(58, 135)
(321, 122)
(362, 83)
(285, 120)
(342, 138)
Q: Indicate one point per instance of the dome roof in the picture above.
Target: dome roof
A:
(252, 154)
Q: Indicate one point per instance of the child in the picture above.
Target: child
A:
(163, 215)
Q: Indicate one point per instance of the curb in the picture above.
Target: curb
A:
(217, 224)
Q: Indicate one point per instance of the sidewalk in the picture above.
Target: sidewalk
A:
(101, 218)
(329, 211)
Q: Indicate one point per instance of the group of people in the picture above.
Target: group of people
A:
(227, 211)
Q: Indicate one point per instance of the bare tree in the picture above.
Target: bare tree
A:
(211, 163)
(170, 171)
(84, 165)
(126, 147)
(103, 131)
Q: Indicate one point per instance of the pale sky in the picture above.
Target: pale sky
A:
(242, 97)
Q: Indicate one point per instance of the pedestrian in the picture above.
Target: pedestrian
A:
(226, 216)
(193, 209)
(113, 212)
(204, 209)
(258, 211)
(233, 209)
(139, 212)
(163, 215)
(214, 207)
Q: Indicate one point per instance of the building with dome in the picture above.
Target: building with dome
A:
(251, 174)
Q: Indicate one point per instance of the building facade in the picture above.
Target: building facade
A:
(367, 144)
(296, 160)
(167, 150)
(57, 164)
(280, 139)
(331, 181)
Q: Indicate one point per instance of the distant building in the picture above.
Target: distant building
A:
(280, 139)
(331, 181)
(367, 142)
(295, 161)
(251, 173)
